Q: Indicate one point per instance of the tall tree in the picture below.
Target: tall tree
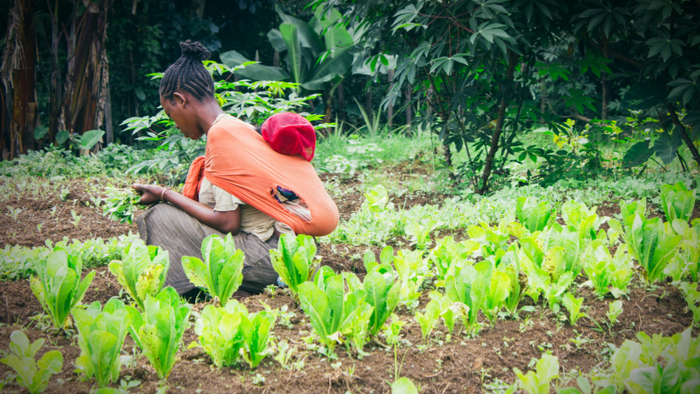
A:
(17, 72)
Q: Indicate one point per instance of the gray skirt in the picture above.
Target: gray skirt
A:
(181, 235)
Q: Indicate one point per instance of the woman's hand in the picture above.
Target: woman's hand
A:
(150, 194)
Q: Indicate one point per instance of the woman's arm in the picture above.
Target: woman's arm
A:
(226, 222)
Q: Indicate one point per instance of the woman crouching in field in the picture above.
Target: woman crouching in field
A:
(241, 186)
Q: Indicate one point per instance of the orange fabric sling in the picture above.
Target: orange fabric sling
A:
(238, 160)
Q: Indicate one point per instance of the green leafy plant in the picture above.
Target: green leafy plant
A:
(330, 308)
(547, 370)
(383, 295)
(159, 329)
(585, 388)
(256, 336)
(221, 272)
(614, 310)
(688, 257)
(32, 375)
(219, 332)
(492, 240)
(429, 319)
(294, 260)
(677, 202)
(656, 379)
(447, 254)
(509, 264)
(57, 284)
(403, 385)
(579, 218)
(412, 270)
(141, 271)
(392, 333)
(652, 245)
(478, 287)
(573, 305)
(609, 274)
(419, 231)
(101, 335)
(120, 204)
(692, 298)
(533, 214)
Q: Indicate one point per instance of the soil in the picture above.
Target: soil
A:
(440, 365)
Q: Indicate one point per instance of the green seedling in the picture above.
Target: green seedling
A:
(57, 285)
(14, 212)
(429, 319)
(294, 260)
(677, 202)
(614, 310)
(539, 382)
(159, 329)
(141, 271)
(32, 375)
(76, 218)
(100, 337)
(573, 305)
(221, 272)
(653, 246)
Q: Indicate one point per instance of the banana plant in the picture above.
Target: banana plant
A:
(221, 272)
(295, 260)
(101, 335)
(142, 270)
(319, 53)
(57, 284)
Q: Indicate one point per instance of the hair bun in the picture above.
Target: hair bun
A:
(194, 50)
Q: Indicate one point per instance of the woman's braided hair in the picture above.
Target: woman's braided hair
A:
(188, 73)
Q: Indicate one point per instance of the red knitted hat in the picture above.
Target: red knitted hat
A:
(290, 134)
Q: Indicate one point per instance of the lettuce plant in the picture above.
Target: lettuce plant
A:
(429, 319)
(692, 298)
(677, 202)
(609, 274)
(331, 309)
(573, 305)
(533, 214)
(509, 264)
(582, 220)
(412, 270)
(101, 335)
(385, 260)
(447, 254)
(159, 329)
(689, 252)
(652, 245)
(614, 310)
(491, 240)
(383, 296)
(449, 311)
(256, 336)
(32, 375)
(219, 332)
(57, 284)
(142, 270)
(547, 370)
(478, 288)
(294, 260)
(221, 272)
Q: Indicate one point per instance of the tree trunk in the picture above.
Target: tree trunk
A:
(368, 99)
(276, 59)
(512, 58)
(686, 138)
(409, 90)
(104, 110)
(55, 97)
(390, 108)
(84, 78)
(327, 103)
(18, 78)
(341, 103)
(606, 96)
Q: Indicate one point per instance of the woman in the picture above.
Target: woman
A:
(241, 186)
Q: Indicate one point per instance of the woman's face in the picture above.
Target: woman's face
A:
(180, 109)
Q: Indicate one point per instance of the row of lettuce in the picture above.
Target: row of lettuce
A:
(540, 255)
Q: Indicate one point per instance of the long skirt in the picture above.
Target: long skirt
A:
(181, 235)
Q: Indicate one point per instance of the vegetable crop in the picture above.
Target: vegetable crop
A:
(32, 375)
(121, 204)
(142, 270)
(294, 260)
(101, 335)
(159, 329)
(221, 272)
(57, 285)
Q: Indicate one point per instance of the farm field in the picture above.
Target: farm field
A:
(371, 218)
